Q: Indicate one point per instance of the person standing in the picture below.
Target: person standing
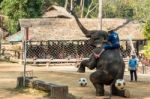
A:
(133, 64)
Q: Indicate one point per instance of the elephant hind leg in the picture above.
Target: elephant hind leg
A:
(98, 78)
(99, 89)
(115, 91)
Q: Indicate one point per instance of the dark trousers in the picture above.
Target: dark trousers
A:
(133, 74)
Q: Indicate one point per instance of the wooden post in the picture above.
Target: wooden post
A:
(71, 5)
(19, 82)
(100, 13)
(28, 82)
(59, 92)
(137, 48)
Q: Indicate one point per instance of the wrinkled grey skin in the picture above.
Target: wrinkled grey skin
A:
(109, 67)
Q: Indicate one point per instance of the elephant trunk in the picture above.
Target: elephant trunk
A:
(83, 29)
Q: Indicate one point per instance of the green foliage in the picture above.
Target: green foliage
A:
(147, 50)
(17, 9)
(117, 8)
(111, 9)
(146, 29)
(131, 9)
(141, 9)
(1, 1)
(11, 25)
(108, 10)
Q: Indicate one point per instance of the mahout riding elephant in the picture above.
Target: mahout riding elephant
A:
(109, 66)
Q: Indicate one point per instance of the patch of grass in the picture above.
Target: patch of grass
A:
(30, 91)
(70, 96)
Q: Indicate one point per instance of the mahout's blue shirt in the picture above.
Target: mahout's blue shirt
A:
(113, 38)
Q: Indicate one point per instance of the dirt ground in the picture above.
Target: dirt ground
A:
(64, 75)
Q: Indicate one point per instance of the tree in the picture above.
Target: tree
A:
(66, 3)
(82, 2)
(117, 9)
(141, 9)
(17, 9)
(146, 31)
(92, 7)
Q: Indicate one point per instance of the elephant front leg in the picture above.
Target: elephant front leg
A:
(82, 66)
(90, 63)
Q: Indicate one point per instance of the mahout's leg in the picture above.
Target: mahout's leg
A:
(99, 78)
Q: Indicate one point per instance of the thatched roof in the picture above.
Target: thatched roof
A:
(67, 29)
(55, 28)
(56, 11)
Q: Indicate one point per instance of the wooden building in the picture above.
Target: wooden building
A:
(58, 25)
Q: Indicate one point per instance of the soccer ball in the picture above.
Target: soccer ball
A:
(120, 84)
(82, 82)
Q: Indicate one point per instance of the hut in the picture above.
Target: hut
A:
(57, 32)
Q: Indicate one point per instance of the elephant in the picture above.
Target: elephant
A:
(109, 66)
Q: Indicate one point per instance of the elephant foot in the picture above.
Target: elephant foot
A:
(123, 93)
(81, 71)
(126, 93)
(100, 94)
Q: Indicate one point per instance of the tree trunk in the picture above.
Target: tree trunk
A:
(91, 8)
(58, 92)
(82, 7)
(66, 3)
(71, 5)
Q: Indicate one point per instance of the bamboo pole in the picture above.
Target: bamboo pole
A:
(25, 51)
(100, 14)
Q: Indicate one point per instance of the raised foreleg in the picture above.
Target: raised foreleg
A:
(90, 63)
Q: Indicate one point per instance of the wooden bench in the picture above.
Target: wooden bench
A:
(55, 91)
